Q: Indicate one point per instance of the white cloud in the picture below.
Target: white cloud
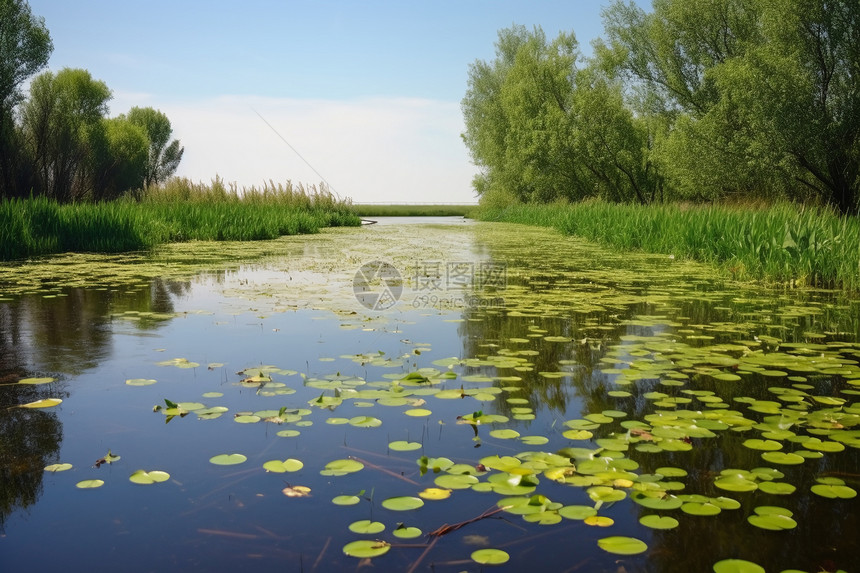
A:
(385, 150)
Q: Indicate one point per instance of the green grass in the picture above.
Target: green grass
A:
(177, 211)
(783, 243)
(414, 210)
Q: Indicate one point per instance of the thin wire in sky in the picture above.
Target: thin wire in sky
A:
(332, 189)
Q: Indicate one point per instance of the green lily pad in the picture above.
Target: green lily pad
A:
(402, 503)
(658, 521)
(578, 512)
(346, 500)
(366, 548)
(58, 467)
(288, 465)
(367, 526)
(504, 434)
(782, 458)
(777, 488)
(365, 422)
(765, 445)
(228, 459)
(490, 556)
(342, 467)
(144, 478)
(620, 545)
(833, 491)
(404, 532)
(404, 446)
(89, 484)
(737, 566)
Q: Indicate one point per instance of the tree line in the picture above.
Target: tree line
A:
(694, 100)
(57, 140)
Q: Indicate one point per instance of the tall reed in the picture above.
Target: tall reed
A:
(179, 210)
(783, 243)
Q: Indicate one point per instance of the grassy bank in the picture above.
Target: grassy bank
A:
(414, 210)
(783, 243)
(177, 211)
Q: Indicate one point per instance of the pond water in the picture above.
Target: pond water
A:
(628, 412)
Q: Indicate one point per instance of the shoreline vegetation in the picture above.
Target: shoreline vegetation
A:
(783, 243)
(414, 210)
(176, 211)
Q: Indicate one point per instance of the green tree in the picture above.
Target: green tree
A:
(25, 47)
(542, 129)
(761, 96)
(121, 159)
(164, 155)
(62, 127)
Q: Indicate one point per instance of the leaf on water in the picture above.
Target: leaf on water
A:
(58, 467)
(365, 548)
(599, 521)
(296, 491)
(834, 491)
(46, 403)
(402, 503)
(490, 556)
(227, 459)
(404, 446)
(620, 545)
(367, 526)
(341, 467)
(404, 532)
(737, 566)
(89, 484)
(435, 493)
(658, 521)
(144, 478)
(140, 382)
(346, 500)
(36, 381)
(281, 466)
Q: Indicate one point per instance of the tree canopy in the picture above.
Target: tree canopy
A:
(695, 99)
(57, 140)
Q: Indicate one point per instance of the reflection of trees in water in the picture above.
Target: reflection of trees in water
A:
(29, 437)
(828, 532)
(58, 336)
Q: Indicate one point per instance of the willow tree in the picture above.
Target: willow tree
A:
(761, 95)
(62, 127)
(541, 128)
(25, 46)
(163, 155)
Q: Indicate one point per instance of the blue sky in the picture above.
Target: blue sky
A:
(368, 92)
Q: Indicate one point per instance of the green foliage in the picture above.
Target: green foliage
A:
(177, 211)
(541, 129)
(395, 210)
(783, 243)
(62, 126)
(164, 155)
(25, 46)
(762, 95)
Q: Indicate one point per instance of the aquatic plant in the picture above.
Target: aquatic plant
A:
(177, 211)
(782, 243)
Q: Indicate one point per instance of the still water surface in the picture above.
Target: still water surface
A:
(582, 388)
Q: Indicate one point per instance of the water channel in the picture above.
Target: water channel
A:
(452, 393)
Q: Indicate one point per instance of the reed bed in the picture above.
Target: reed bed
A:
(783, 243)
(395, 210)
(179, 210)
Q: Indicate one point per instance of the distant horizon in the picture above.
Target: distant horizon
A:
(368, 94)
